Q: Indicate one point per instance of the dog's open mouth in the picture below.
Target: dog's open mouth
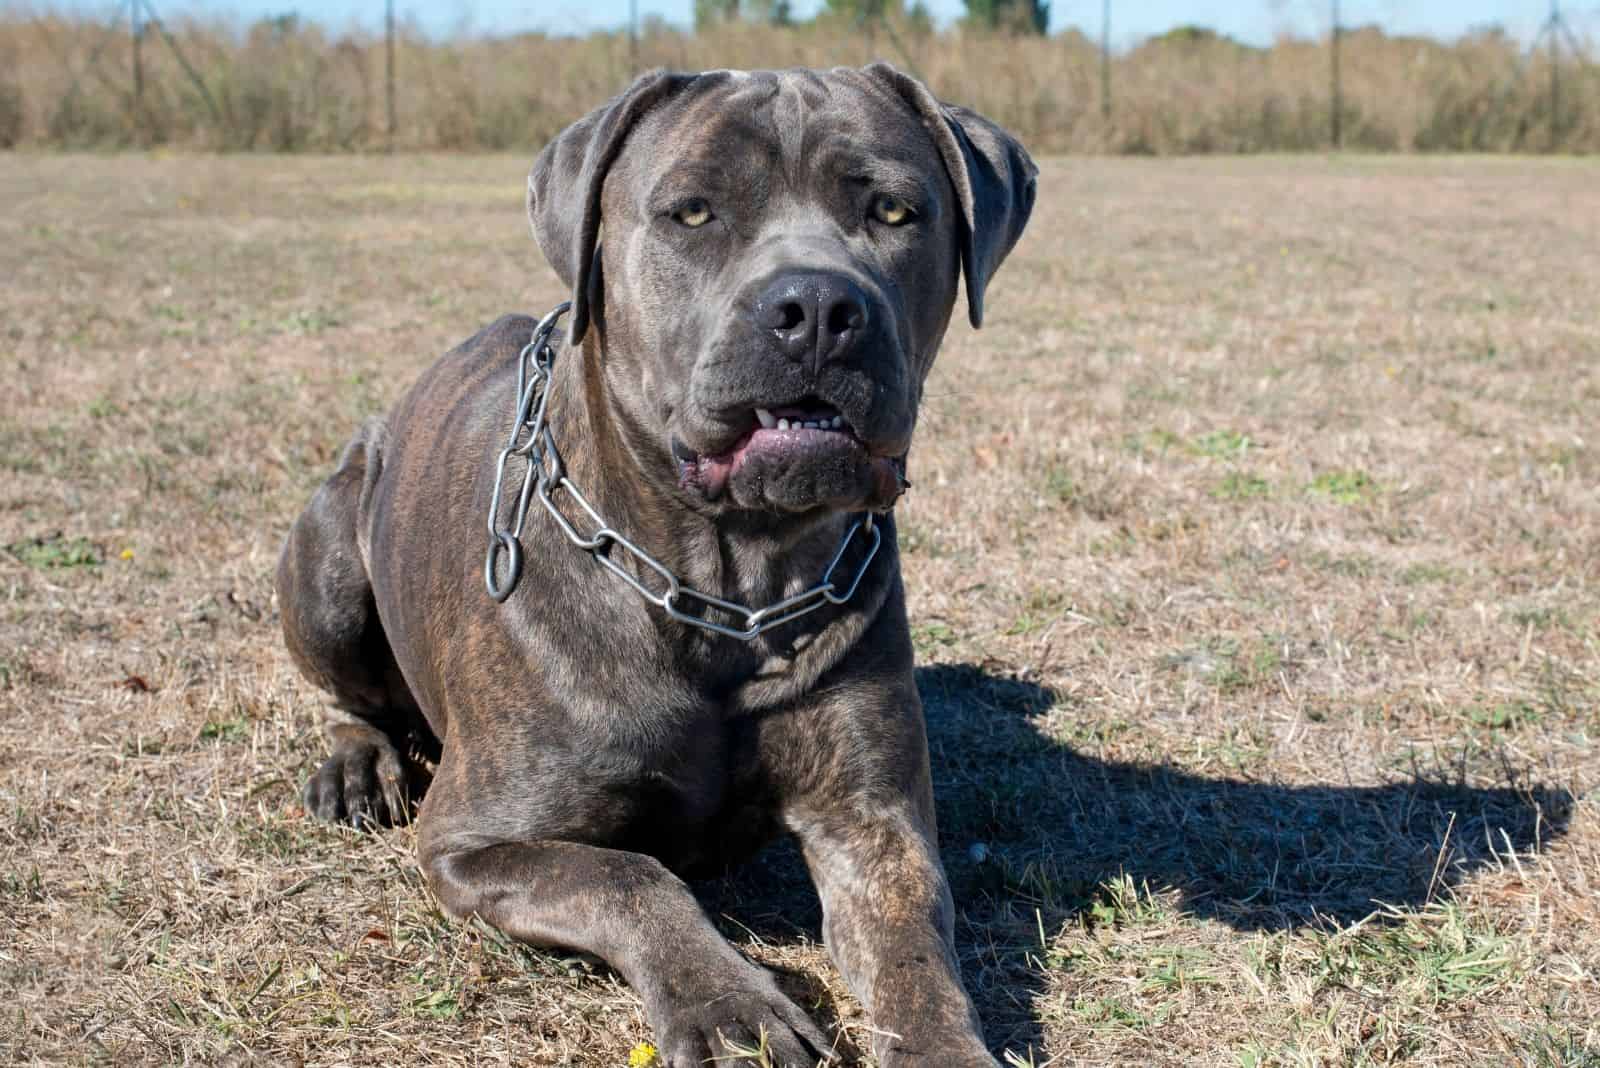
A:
(792, 432)
(816, 416)
(809, 432)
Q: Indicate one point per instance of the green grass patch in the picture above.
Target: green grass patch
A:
(1542, 618)
(19, 887)
(1178, 968)
(104, 407)
(1221, 444)
(1559, 1046)
(1431, 955)
(1042, 608)
(436, 1002)
(1241, 486)
(1355, 565)
(225, 730)
(309, 321)
(1059, 485)
(1230, 665)
(1420, 574)
(54, 551)
(1504, 715)
(1344, 487)
(932, 634)
(1120, 902)
(1158, 441)
(1115, 1013)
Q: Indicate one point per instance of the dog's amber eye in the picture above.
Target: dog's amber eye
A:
(694, 213)
(891, 211)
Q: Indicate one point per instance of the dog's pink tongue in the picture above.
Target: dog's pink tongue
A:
(710, 474)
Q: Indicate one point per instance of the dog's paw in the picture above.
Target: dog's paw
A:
(363, 783)
(962, 1050)
(746, 1026)
(979, 1058)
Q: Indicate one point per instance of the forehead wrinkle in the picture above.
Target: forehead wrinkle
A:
(789, 120)
(710, 112)
(728, 148)
(800, 93)
(765, 129)
(873, 147)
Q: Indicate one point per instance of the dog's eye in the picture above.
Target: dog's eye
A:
(891, 211)
(694, 213)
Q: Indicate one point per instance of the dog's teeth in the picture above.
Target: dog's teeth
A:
(838, 421)
(766, 418)
(813, 426)
(783, 424)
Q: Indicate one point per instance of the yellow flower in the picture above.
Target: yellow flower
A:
(642, 1056)
(127, 554)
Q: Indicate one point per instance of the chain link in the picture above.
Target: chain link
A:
(545, 478)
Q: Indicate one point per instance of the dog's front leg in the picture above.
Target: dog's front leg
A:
(887, 920)
(704, 1001)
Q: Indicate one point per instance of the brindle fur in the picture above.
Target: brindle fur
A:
(590, 751)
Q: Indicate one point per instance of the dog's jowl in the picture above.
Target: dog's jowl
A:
(762, 267)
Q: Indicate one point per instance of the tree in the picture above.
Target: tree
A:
(919, 20)
(766, 12)
(857, 10)
(769, 12)
(1013, 16)
(711, 12)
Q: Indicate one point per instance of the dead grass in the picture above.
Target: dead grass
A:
(1252, 553)
(280, 84)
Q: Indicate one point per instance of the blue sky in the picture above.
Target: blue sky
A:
(1256, 21)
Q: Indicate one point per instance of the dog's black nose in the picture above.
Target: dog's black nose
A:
(814, 316)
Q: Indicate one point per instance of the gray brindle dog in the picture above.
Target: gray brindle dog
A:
(747, 349)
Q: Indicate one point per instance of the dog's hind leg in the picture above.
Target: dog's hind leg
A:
(331, 626)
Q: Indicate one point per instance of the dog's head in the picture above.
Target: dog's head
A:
(778, 266)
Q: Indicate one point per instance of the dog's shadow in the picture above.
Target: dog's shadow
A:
(1034, 833)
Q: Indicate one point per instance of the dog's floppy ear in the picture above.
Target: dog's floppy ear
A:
(564, 185)
(991, 171)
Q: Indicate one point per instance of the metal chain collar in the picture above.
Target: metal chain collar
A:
(546, 477)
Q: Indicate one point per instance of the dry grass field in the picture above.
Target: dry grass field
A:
(1254, 564)
(286, 84)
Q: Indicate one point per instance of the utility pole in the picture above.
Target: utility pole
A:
(142, 15)
(633, 37)
(1337, 119)
(1105, 61)
(137, 32)
(1556, 28)
(1555, 75)
(388, 70)
(1555, 72)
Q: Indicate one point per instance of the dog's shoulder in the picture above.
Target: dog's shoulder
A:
(505, 336)
(463, 372)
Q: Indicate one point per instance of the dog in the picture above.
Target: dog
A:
(762, 267)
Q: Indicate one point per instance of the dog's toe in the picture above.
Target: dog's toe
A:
(740, 1029)
(362, 785)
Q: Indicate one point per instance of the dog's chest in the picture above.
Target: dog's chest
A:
(696, 797)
